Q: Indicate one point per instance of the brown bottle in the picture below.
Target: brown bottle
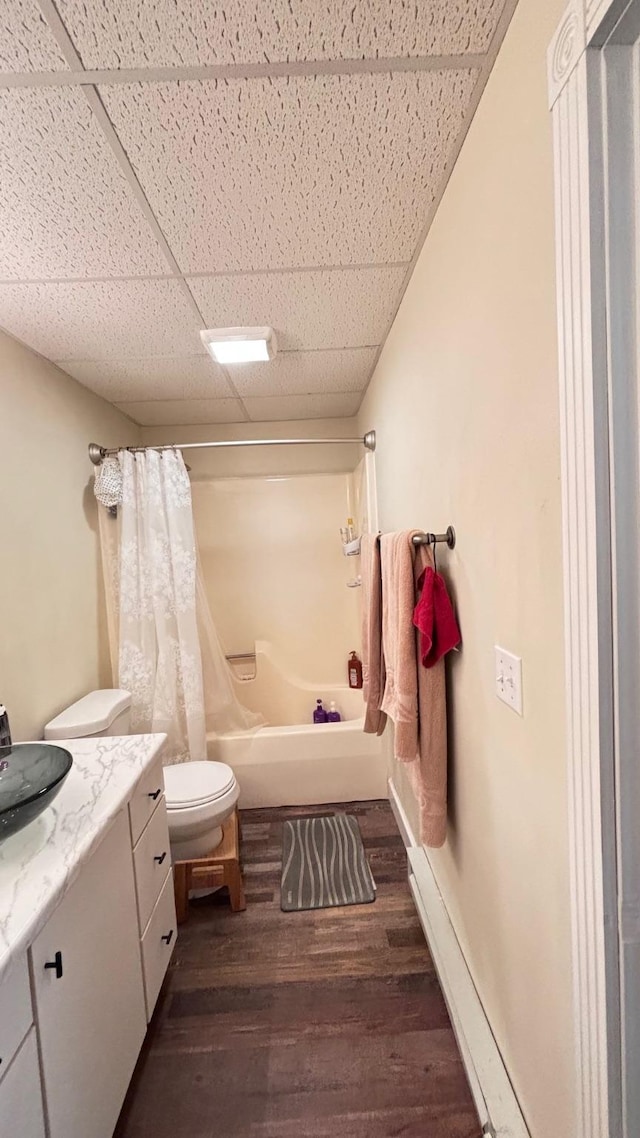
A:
(354, 670)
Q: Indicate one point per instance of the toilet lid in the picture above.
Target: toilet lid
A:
(192, 784)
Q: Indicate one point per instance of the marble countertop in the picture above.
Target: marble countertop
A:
(39, 863)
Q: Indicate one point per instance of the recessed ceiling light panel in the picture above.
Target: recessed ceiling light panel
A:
(240, 345)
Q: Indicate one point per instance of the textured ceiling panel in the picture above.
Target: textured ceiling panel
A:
(295, 171)
(66, 209)
(305, 195)
(305, 373)
(335, 308)
(184, 412)
(26, 42)
(188, 377)
(302, 407)
(101, 320)
(190, 32)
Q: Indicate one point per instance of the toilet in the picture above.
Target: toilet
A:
(200, 795)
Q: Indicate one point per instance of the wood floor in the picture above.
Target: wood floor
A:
(329, 1024)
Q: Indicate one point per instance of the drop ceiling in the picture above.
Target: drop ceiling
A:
(172, 165)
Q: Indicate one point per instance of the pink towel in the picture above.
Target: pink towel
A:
(400, 696)
(414, 696)
(372, 659)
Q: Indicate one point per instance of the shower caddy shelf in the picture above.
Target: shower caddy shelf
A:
(351, 548)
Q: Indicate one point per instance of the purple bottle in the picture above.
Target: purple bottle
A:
(319, 715)
(333, 715)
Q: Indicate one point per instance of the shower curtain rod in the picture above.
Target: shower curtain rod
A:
(97, 453)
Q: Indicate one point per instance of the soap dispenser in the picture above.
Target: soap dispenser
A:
(319, 715)
(354, 671)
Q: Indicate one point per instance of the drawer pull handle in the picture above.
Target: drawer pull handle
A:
(155, 793)
(57, 964)
(167, 938)
(160, 857)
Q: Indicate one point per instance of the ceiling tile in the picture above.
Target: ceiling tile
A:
(302, 407)
(66, 209)
(329, 308)
(296, 171)
(26, 41)
(183, 412)
(189, 32)
(304, 373)
(165, 377)
(101, 319)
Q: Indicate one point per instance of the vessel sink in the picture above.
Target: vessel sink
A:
(31, 774)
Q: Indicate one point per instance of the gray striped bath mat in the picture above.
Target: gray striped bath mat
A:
(324, 864)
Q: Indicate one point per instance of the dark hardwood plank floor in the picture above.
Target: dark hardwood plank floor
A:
(329, 1024)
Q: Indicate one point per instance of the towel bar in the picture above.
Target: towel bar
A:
(432, 538)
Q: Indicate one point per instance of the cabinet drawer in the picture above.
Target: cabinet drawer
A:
(146, 797)
(152, 860)
(156, 952)
(21, 1094)
(16, 1015)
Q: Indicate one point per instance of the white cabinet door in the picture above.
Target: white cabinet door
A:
(158, 943)
(89, 996)
(20, 1096)
(146, 797)
(16, 1015)
(152, 861)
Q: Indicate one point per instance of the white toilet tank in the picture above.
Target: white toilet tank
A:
(105, 712)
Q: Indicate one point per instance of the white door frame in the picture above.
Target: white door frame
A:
(598, 373)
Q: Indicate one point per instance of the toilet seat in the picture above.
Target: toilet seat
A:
(193, 784)
(200, 796)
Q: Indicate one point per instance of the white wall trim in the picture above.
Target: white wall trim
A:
(399, 813)
(576, 87)
(495, 1100)
(565, 49)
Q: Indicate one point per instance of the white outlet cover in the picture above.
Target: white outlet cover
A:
(509, 678)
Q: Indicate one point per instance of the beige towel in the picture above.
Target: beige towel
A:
(400, 696)
(372, 659)
(414, 696)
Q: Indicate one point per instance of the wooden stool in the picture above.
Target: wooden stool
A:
(221, 867)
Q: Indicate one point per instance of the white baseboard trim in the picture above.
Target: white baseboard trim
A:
(493, 1094)
(404, 825)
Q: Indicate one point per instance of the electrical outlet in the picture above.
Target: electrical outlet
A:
(509, 678)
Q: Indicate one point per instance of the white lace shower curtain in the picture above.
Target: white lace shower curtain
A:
(164, 647)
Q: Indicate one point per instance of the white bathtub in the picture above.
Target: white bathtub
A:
(301, 764)
(304, 764)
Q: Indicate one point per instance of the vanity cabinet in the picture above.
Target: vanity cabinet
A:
(152, 861)
(75, 1004)
(157, 943)
(148, 795)
(154, 884)
(89, 997)
(20, 1094)
(16, 1012)
(21, 1114)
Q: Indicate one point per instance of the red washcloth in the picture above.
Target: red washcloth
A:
(435, 619)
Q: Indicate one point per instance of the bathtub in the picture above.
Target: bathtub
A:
(297, 763)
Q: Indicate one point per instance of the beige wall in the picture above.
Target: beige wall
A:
(274, 569)
(234, 461)
(268, 520)
(53, 644)
(465, 403)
